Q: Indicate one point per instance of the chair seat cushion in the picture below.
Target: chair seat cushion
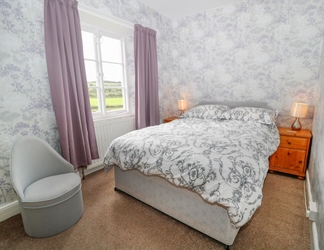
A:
(51, 190)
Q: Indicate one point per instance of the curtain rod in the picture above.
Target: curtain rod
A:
(93, 11)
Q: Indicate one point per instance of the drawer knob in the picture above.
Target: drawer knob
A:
(300, 161)
(289, 142)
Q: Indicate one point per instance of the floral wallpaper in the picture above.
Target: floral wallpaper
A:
(254, 50)
(25, 100)
(316, 169)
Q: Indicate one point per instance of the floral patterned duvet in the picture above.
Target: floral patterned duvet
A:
(224, 161)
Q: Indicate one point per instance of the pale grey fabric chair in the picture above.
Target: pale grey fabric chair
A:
(49, 192)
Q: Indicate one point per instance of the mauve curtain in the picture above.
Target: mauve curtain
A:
(68, 84)
(147, 111)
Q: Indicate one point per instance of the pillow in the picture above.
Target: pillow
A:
(206, 112)
(258, 115)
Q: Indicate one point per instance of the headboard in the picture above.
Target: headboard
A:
(255, 104)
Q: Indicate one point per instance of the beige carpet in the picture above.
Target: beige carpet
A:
(113, 220)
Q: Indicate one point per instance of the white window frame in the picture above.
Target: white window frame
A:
(94, 22)
(98, 33)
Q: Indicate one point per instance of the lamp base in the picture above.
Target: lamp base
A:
(296, 125)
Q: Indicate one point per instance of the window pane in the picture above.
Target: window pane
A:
(111, 49)
(109, 84)
(88, 45)
(112, 73)
(114, 99)
(93, 95)
(91, 71)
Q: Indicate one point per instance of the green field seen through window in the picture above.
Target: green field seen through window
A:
(111, 104)
(113, 97)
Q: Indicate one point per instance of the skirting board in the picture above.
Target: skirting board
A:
(9, 210)
(312, 224)
(92, 170)
(314, 236)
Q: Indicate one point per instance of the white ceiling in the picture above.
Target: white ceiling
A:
(175, 9)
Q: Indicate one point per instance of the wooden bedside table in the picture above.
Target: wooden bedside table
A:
(170, 119)
(292, 154)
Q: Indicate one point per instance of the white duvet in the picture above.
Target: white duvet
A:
(223, 161)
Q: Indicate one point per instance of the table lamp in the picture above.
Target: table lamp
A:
(298, 110)
(182, 106)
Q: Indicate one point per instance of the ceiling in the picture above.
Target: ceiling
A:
(175, 9)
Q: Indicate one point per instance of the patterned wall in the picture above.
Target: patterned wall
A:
(316, 168)
(255, 50)
(25, 100)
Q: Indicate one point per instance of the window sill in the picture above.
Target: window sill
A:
(114, 117)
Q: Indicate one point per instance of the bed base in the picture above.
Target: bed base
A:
(179, 203)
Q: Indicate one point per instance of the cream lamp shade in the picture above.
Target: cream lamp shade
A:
(182, 105)
(298, 110)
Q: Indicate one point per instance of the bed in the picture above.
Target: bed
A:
(205, 169)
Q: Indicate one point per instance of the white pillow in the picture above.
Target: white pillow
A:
(206, 112)
(258, 115)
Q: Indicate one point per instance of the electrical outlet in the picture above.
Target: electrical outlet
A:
(312, 211)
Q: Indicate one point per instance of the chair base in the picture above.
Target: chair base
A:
(48, 221)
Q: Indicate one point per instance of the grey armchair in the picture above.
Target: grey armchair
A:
(49, 192)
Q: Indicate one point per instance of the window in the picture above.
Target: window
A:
(104, 56)
(105, 69)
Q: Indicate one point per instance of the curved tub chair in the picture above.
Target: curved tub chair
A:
(49, 192)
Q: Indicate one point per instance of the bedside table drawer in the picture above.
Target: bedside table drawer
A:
(292, 153)
(293, 142)
(290, 160)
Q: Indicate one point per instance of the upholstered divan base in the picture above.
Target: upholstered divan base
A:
(179, 203)
(54, 207)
